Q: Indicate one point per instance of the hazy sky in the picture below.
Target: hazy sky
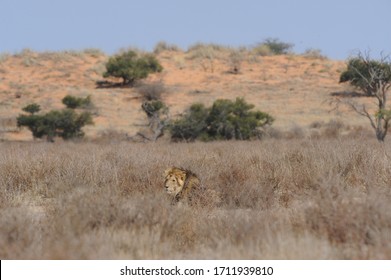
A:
(338, 27)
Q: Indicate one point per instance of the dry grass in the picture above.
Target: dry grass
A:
(298, 199)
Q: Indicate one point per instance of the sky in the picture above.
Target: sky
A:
(339, 28)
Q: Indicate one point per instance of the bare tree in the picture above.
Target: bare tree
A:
(373, 77)
(158, 118)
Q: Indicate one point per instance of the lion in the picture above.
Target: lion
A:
(185, 186)
(180, 183)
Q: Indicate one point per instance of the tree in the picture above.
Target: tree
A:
(66, 123)
(373, 77)
(131, 67)
(224, 120)
(367, 75)
(157, 114)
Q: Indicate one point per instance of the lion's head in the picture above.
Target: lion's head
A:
(174, 180)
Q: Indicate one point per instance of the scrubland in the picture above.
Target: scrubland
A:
(280, 199)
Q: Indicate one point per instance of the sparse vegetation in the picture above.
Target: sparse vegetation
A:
(131, 67)
(94, 52)
(4, 57)
(314, 54)
(164, 46)
(236, 58)
(206, 55)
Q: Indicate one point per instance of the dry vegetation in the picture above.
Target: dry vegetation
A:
(297, 199)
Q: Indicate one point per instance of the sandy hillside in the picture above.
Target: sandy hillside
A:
(295, 89)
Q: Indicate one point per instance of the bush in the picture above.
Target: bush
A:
(235, 61)
(73, 102)
(314, 54)
(225, 120)
(273, 46)
(153, 107)
(191, 126)
(206, 55)
(151, 91)
(64, 123)
(32, 108)
(164, 46)
(131, 67)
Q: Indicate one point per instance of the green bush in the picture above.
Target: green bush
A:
(73, 102)
(225, 120)
(131, 67)
(65, 123)
(153, 107)
(192, 125)
(34, 124)
(32, 108)
(273, 46)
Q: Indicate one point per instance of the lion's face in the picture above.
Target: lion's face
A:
(174, 180)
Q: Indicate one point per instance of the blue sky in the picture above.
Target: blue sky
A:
(337, 27)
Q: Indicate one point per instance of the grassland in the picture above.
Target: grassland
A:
(281, 199)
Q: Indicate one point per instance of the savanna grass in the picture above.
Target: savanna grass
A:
(298, 199)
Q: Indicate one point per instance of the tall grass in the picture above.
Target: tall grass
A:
(298, 199)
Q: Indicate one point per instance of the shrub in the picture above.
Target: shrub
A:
(274, 46)
(206, 55)
(164, 46)
(225, 120)
(34, 123)
(64, 123)
(73, 102)
(314, 54)
(235, 61)
(32, 108)
(262, 50)
(192, 125)
(152, 107)
(131, 67)
(152, 91)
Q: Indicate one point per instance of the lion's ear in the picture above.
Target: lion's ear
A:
(167, 171)
(181, 179)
